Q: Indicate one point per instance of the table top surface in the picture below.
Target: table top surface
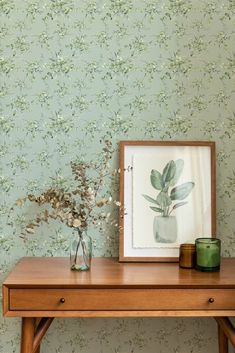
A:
(54, 272)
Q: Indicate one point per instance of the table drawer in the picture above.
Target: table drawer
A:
(122, 299)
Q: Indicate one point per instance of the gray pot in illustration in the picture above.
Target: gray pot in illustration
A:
(165, 229)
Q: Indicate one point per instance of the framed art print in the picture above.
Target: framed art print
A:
(167, 192)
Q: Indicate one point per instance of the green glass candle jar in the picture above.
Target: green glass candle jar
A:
(208, 254)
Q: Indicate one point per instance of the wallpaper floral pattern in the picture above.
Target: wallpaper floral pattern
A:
(76, 71)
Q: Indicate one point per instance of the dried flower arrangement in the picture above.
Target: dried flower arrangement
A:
(80, 207)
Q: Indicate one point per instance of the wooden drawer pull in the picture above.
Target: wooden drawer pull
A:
(62, 300)
(211, 300)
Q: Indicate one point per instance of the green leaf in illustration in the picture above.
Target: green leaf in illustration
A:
(163, 200)
(179, 166)
(156, 209)
(169, 172)
(179, 204)
(166, 187)
(150, 199)
(182, 191)
(156, 179)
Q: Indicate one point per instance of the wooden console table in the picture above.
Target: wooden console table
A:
(40, 289)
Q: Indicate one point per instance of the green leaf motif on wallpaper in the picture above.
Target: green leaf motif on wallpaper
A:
(6, 124)
(6, 65)
(6, 6)
(165, 183)
(60, 8)
(118, 8)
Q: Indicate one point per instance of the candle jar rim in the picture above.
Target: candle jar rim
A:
(207, 240)
(187, 246)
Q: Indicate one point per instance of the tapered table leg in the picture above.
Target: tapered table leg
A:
(27, 334)
(37, 321)
(223, 341)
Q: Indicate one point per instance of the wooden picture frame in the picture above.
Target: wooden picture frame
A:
(168, 197)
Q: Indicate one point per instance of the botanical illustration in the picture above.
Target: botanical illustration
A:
(170, 197)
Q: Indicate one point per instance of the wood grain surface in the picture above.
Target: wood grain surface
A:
(54, 272)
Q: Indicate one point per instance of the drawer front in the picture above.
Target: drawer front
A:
(122, 299)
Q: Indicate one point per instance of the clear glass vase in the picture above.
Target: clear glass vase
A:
(80, 251)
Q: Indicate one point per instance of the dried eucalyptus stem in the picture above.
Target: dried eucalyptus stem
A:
(80, 207)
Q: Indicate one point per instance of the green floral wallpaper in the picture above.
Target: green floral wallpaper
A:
(76, 71)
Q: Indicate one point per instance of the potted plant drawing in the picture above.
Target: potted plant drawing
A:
(170, 197)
